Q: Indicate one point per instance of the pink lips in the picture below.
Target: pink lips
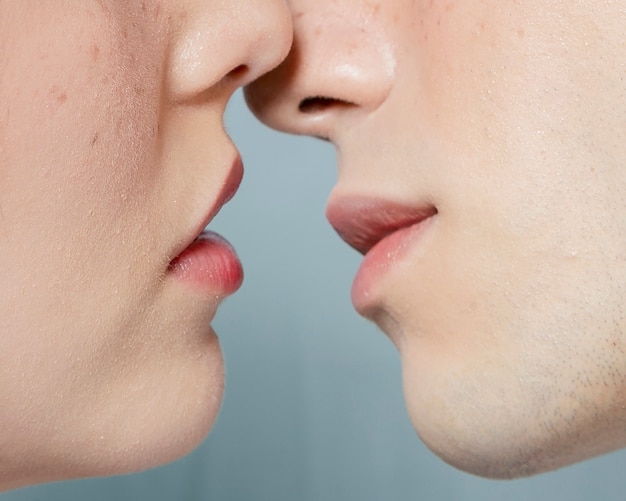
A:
(210, 264)
(207, 261)
(383, 231)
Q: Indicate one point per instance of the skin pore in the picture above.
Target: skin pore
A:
(113, 158)
(503, 124)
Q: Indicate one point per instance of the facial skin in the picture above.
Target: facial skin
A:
(503, 123)
(113, 157)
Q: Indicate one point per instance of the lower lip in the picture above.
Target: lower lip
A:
(385, 255)
(210, 265)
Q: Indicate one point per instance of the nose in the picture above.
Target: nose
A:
(230, 43)
(341, 67)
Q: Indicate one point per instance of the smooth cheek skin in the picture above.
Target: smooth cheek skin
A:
(509, 118)
(107, 364)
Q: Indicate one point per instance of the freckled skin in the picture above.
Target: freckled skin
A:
(510, 118)
(108, 364)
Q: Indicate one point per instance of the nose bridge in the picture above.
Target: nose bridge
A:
(342, 58)
(216, 37)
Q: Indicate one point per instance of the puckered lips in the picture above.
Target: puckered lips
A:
(206, 261)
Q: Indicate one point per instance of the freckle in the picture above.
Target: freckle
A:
(95, 52)
(59, 96)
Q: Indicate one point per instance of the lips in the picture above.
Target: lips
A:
(206, 261)
(362, 223)
(229, 188)
(381, 230)
(209, 264)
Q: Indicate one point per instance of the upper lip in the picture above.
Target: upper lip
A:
(227, 191)
(229, 188)
(363, 221)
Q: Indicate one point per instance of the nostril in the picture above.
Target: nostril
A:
(320, 103)
(239, 72)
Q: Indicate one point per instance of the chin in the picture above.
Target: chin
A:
(174, 420)
(504, 457)
(149, 417)
(491, 457)
(483, 450)
(503, 434)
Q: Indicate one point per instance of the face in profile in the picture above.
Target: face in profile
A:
(482, 172)
(113, 158)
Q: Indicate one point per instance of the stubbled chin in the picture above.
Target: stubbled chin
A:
(503, 435)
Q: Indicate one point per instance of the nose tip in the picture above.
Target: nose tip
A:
(336, 67)
(238, 43)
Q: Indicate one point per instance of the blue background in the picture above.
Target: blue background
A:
(313, 408)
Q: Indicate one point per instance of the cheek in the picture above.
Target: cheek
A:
(80, 171)
(513, 336)
(511, 322)
(94, 337)
(502, 78)
(78, 139)
(480, 67)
